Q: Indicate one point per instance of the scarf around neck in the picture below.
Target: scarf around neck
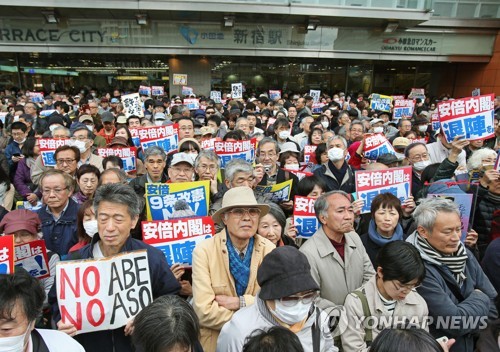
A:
(454, 262)
(379, 239)
(240, 269)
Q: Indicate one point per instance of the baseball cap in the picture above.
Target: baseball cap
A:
(84, 118)
(182, 158)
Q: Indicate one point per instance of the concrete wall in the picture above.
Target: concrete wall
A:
(198, 70)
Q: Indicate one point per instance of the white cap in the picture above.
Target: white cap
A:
(374, 121)
(182, 158)
(289, 147)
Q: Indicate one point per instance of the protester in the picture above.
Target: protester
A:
(87, 178)
(272, 226)
(22, 180)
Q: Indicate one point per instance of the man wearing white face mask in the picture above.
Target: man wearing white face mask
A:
(21, 303)
(377, 125)
(282, 131)
(82, 139)
(286, 299)
(99, 142)
(337, 173)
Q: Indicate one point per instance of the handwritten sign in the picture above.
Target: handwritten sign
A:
(7, 254)
(476, 92)
(471, 118)
(178, 238)
(216, 96)
(304, 217)
(128, 156)
(315, 94)
(370, 184)
(277, 193)
(48, 147)
(165, 137)
(376, 144)
(403, 108)
(103, 294)
(228, 150)
(381, 102)
(161, 198)
(236, 90)
(464, 203)
(33, 258)
(132, 105)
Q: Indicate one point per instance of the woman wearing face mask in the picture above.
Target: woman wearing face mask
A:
(326, 121)
(86, 225)
(387, 298)
(272, 227)
(22, 181)
(289, 160)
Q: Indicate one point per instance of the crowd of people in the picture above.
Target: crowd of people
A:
(405, 275)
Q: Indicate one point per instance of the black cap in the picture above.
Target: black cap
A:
(387, 159)
(284, 272)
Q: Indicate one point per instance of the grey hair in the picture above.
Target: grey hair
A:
(427, 211)
(119, 194)
(238, 122)
(476, 159)
(154, 151)
(340, 138)
(62, 128)
(267, 140)
(90, 135)
(237, 165)
(357, 122)
(122, 176)
(181, 109)
(411, 146)
(208, 154)
(321, 205)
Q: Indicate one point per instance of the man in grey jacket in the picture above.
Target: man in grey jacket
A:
(286, 299)
(458, 293)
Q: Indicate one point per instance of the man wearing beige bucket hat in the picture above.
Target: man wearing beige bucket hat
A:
(225, 266)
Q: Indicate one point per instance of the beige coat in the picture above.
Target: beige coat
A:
(335, 278)
(412, 309)
(211, 277)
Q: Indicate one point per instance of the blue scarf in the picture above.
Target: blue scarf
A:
(378, 239)
(240, 269)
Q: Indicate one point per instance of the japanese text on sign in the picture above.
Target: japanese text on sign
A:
(276, 193)
(128, 155)
(236, 90)
(32, 257)
(381, 102)
(376, 144)
(7, 254)
(403, 108)
(132, 105)
(47, 148)
(165, 137)
(304, 217)
(228, 150)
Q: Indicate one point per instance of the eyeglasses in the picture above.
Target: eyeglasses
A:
(420, 157)
(267, 155)
(48, 191)
(65, 161)
(238, 213)
(212, 168)
(291, 301)
(402, 288)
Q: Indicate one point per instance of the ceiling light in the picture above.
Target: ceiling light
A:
(228, 21)
(50, 16)
(312, 24)
(142, 20)
(391, 27)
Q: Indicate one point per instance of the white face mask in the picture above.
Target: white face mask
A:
(419, 166)
(422, 128)
(294, 167)
(400, 156)
(325, 124)
(53, 127)
(90, 227)
(80, 145)
(14, 343)
(16, 118)
(284, 134)
(291, 315)
(159, 122)
(378, 129)
(90, 128)
(335, 154)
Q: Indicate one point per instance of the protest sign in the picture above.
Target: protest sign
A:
(435, 121)
(158, 90)
(309, 154)
(274, 94)
(476, 92)
(32, 257)
(317, 108)
(403, 108)
(145, 90)
(464, 203)
(370, 184)
(417, 140)
(134, 132)
(178, 238)
(236, 90)
(304, 217)
(7, 254)
(381, 102)
(28, 206)
(216, 96)
(497, 163)
(376, 144)
(276, 193)
(127, 154)
(165, 137)
(132, 105)
(36, 97)
(228, 150)
(470, 118)
(161, 198)
(400, 97)
(47, 148)
(209, 143)
(315, 94)
(103, 294)
(417, 93)
(187, 91)
(180, 79)
(299, 173)
(47, 113)
(192, 104)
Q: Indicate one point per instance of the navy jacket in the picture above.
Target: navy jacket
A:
(461, 316)
(60, 236)
(163, 282)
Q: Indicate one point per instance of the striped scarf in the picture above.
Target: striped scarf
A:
(455, 262)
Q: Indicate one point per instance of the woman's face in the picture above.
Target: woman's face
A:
(121, 133)
(88, 184)
(324, 158)
(89, 214)
(270, 228)
(316, 192)
(386, 220)
(291, 160)
(317, 137)
(23, 237)
(411, 136)
(36, 148)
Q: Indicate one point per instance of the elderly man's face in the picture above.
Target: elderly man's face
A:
(114, 224)
(339, 216)
(54, 191)
(446, 233)
(18, 325)
(67, 162)
(206, 169)
(154, 165)
(241, 179)
(182, 172)
(242, 223)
